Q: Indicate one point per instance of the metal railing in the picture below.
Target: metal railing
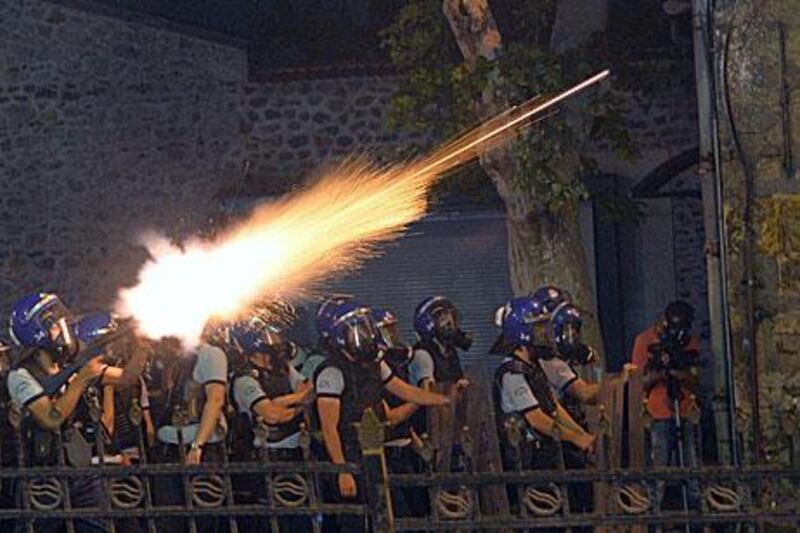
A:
(746, 495)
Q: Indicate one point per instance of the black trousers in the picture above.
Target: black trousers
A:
(581, 495)
(83, 492)
(535, 455)
(329, 488)
(252, 489)
(170, 490)
(406, 501)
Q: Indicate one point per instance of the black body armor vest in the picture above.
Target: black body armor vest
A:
(537, 381)
(446, 365)
(185, 395)
(363, 389)
(275, 383)
(42, 445)
(126, 433)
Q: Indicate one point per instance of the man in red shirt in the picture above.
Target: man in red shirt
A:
(669, 354)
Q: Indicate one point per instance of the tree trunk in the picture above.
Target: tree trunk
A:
(543, 248)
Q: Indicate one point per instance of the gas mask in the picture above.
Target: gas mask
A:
(389, 334)
(568, 341)
(59, 321)
(272, 342)
(448, 330)
(361, 340)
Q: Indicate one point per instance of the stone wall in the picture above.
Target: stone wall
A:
(109, 129)
(106, 129)
(763, 146)
(290, 129)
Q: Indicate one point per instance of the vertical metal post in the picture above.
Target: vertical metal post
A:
(379, 500)
(713, 222)
(786, 106)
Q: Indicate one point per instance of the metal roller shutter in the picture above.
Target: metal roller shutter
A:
(462, 256)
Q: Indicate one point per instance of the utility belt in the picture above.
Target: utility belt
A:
(43, 446)
(166, 452)
(281, 455)
(399, 452)
(533, 451)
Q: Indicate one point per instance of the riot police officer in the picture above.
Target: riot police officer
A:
(349, 382)
(269, 395)
(522, 393)
(126, 411)
(43, 329)
(193, 425)
(436, 365)
(401, 439)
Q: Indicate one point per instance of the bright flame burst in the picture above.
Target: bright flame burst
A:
(285, 246)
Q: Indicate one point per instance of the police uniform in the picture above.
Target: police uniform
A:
(250, 386)
(398, 448)
(127, 436)
(306, 361)
(521, 387)
(358, 386)
(441, 364)
(42, 447)
(561, 375)
(433, 360)
(209, 364)
(255, 385)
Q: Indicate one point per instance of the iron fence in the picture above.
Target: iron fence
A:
(743, 495)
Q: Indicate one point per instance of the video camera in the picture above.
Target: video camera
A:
(671, 352)
(671, 355)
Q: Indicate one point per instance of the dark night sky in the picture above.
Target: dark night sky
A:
(347, 30)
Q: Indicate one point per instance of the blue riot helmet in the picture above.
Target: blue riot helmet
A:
(565, 333)
(551, 297)
(324, 314)
(520, 320)
(386, 324)
(254, 336)
(353, 331)
(41, 320)
(437, 317)
(95, 325)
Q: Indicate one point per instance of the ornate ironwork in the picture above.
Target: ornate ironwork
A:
(126, 492)
(289, 490)
(208, 490)
(45, 493)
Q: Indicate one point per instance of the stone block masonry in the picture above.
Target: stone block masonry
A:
(110, 128)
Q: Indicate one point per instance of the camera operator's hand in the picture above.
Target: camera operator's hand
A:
(627, 370)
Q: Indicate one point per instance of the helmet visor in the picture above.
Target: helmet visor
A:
(58, 321)
(271, 337)
(360, 335)
(447, 321)
(570, 334)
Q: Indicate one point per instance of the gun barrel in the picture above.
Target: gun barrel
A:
(52, 384)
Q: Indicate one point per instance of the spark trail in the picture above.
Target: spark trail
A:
(285, 246)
